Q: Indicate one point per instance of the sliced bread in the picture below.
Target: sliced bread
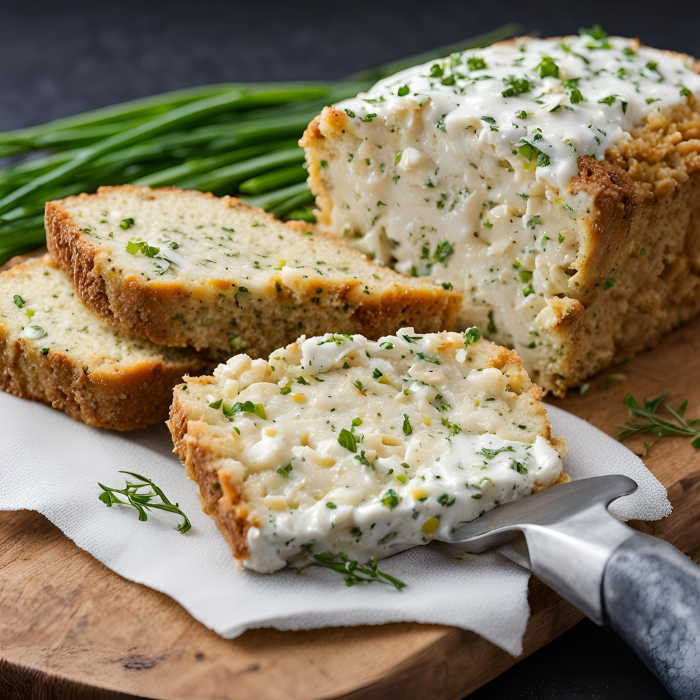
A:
(342, 444)
(55, 350)
(186, 268)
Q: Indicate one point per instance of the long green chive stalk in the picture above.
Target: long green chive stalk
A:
(232, 138)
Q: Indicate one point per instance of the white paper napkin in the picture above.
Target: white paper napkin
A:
(51, 464)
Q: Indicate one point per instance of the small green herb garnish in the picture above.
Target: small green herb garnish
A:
(442, 252)
(492, 326)
(354, 573)
(491, 122)
(447, 499)
(246, 407)
(471, 335)
(516, 86)
(284, 471)
(363, 460)
(135, 246)
(407, 428)
(428, 358)
(126, 223)
(651, 423)
(142, 501)
(490, 454)
(517, 466)
(19, 302)
(347, 440)
(390, 499)
(548, 68)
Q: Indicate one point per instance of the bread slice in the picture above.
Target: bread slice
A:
(342, 444)
(185, 268)
(55, 350)
(561, 195)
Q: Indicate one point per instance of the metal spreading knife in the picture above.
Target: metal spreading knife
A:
(642, 587)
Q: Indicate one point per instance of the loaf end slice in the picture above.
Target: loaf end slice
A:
(342, 444)
(561, 197)
(53, 349)
(183, 268)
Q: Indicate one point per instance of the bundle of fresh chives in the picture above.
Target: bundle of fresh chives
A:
(228, 139)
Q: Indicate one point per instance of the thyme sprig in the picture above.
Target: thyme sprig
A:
(142, 501)
(651, 423)
(354, 573)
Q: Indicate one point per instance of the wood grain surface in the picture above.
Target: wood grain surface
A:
(71, 628)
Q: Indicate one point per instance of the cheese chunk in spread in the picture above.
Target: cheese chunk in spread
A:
(342, 444)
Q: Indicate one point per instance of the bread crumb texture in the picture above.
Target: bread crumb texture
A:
(186, 268)
(55, 350)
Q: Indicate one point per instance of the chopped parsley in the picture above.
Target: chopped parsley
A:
(390, 499)
(471, 335)
(347, 440)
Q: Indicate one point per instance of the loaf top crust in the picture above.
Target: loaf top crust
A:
(547, 101)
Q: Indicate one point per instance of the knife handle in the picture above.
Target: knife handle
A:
(651, 597)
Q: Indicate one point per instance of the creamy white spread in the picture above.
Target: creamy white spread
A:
(461, 169)
(561, 98)
(368, 448)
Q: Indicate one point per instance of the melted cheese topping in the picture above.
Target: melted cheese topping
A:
(565, 98)
(459, 169)
(346, 445)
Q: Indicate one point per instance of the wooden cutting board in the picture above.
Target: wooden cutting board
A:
(70, 628)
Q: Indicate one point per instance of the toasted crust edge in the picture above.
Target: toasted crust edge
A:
(189, 439)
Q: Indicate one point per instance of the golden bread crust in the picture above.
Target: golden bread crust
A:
(224, 505)
(131, 399)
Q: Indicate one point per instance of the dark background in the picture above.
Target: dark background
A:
(60, 58)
